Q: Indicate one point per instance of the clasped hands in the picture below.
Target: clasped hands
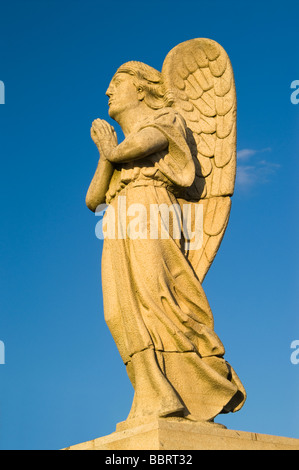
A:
(104, 136)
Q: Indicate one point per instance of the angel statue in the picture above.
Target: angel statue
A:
(179, 149)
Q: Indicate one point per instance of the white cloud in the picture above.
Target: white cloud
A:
(245, 176)
(245, 154)
(256, 171)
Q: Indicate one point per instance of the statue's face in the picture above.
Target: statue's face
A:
(122, 95)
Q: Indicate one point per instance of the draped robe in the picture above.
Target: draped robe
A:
(154, 304)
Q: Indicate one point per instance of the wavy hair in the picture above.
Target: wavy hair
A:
(150, 80)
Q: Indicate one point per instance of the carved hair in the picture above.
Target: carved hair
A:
(150, 80)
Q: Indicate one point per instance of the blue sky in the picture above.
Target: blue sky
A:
(63, 381)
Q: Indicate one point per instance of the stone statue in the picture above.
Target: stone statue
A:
(178, 151)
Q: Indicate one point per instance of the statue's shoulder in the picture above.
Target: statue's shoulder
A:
(166, 112)
(169, 116)
(167, 119)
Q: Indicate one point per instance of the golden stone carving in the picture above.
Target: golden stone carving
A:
(178, 152)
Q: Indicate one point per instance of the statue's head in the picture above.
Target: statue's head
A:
(138, 81)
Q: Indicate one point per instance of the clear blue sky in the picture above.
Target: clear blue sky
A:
(63, 381)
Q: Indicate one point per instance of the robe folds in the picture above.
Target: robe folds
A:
(154, 304)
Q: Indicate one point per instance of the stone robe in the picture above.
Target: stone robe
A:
(154, 304)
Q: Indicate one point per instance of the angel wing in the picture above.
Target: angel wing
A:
(199, 76)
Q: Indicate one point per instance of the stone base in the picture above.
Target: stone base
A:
(180, 434)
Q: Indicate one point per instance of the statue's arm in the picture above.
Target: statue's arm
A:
(104, 137)
(139, 145)
(99, 185)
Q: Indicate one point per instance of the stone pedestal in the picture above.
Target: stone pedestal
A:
(176, 434)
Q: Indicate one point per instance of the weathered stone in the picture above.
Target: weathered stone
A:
(179, 155)
(166, 434)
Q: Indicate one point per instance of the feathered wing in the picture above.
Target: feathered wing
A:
(199, 75)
